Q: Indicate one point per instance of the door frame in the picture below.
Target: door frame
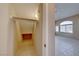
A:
(14, 19)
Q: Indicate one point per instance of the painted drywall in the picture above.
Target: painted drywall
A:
(38, 33)
(4, 29)
(11, 10)
(75, 33)
(12, 31)
(18, 37)
(76, 27)
(44, 32)
(51, 29)
(26, 10)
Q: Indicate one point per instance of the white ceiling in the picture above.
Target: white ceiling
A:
(26, 10)
(64, 10)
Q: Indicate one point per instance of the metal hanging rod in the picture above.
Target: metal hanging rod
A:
(19, 18)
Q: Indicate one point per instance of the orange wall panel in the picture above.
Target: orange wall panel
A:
(27, 36)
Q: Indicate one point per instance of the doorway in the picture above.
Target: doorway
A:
(24, 37)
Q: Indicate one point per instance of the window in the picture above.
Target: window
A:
(62, 28)
(66, 26)
(57, 28)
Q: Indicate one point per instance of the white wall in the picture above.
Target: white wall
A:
(26, 10)
(44, 31)
(4, 29)
(11, 31)
(51, 29)
(11, 10)
(76, 27)
(38, 33)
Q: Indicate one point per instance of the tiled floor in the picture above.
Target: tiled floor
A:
(66, 46)
(26, 48)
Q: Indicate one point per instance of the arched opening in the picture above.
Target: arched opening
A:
(65, 26)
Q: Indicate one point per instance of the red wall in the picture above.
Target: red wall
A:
(27, 36)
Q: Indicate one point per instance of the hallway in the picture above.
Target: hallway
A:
(66, 46)
(26, 48)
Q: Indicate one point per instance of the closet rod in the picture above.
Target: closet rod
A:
(24, 19)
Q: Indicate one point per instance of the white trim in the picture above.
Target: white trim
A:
(47, 29)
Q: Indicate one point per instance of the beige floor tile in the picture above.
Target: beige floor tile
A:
(26, 48)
